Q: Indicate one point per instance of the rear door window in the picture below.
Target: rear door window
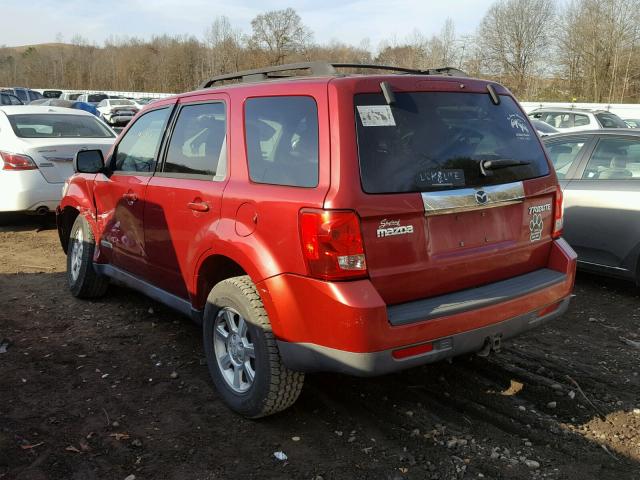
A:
(429, 141)
(282, 140)
(198, 142)
(21, 94)
(614, 159)
(580, 120)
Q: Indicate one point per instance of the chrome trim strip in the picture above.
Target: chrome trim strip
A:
(604, 266)
(449, 201)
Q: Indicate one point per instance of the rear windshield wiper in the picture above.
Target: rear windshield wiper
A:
(487, 165)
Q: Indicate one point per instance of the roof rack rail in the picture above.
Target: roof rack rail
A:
(321, 69)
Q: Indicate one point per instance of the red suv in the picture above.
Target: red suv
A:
(350, 223)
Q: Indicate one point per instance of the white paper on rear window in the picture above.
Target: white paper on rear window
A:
(376, 116)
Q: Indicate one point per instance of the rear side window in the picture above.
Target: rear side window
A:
(564, 154)
(428, 141)
(282, 140)
(198, 142)
(138, 149)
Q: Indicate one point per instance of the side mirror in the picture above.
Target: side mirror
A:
(88, 161)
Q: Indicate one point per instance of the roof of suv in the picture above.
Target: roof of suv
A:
(320, 72)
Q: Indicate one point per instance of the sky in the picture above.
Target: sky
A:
(348, 21)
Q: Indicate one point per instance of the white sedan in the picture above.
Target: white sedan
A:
(37, 147)
(117, 111)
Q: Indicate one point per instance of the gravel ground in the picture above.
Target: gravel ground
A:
(118, 388)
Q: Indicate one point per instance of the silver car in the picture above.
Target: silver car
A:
(577, 119)
(599, 172)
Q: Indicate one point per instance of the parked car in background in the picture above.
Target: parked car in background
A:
(575, 119)
(9, 99)
(56, 102)
(92, 98)
(141, 102)
(309, 235)
(117, 111)
(543, 128)
(70, 96)
(600, 175)
(37, 147)
(632, 122)
(26, 95)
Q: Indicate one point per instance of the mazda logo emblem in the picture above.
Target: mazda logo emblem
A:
(481, 197)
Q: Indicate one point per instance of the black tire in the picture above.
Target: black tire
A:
(85, 282)
(274, 386)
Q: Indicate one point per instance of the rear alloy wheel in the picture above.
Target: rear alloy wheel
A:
(234, 350)
(84, 281)
(242, 352)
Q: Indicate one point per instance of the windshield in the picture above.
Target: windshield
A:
(50, 125)
(610, 120)
(435, 140)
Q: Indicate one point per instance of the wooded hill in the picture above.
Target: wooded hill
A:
(543, 50)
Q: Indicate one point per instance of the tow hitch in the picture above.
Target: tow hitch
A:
(491, 343)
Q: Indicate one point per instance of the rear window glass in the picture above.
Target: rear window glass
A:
(282, 140)
(433, 141)
(609, 120)
(96, 98)
(121, 102)
(52, 125)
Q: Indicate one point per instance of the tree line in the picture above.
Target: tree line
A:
(576, 50)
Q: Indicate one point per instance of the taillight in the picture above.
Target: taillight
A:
(558, 213)
(332, 244)
(13, 161)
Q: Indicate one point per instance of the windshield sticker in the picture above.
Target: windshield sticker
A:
(376, 116)
(435, 177)
(520, 125)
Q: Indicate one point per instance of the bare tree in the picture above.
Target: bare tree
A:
(279, 33)
(224, 44)
(514, 36)
(598, 47)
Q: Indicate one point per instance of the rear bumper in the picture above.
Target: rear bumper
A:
(346, 326)
(26, 191)
(308, 357)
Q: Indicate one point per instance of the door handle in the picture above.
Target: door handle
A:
(198, 206)
(130, 197)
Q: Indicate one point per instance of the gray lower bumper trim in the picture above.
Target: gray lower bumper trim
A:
(308, 357)
(473, 298)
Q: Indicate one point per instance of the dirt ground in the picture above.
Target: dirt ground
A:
(118, 388)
